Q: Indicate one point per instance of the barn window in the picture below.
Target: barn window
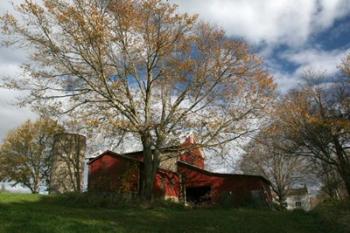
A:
(298, 204)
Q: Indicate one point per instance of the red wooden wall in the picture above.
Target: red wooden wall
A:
(167, 185)
(109, 173)
(114, 173)
(240, 186)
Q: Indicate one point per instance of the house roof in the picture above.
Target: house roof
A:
(221, 174)
(297, 191)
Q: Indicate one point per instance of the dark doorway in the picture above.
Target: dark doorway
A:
(198, 195)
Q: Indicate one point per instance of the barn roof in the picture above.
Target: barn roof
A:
(128, 155)
(124, 156)
(221, 174)
(113, 154)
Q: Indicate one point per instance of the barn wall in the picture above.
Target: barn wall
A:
(167, 185)
(117, 174)
(240, 188)
(113, 174)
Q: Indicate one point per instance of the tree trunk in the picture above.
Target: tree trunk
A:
(281, 195)
(281, 200)
(150, 166)
(36, 185)
(35, 189)
(343, 165)
(347, 184)
(344, 172)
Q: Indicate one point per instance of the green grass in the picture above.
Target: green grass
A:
(336, 215)
(33, 214)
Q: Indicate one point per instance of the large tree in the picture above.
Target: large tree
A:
(315, 118)
(142, 68)
(25, 154)
(270, 156)
(332, 184)
(68, 155)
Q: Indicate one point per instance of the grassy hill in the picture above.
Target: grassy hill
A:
(32, 214)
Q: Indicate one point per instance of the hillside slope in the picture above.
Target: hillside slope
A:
(29, 213)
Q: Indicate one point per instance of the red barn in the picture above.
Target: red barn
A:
(180, 177)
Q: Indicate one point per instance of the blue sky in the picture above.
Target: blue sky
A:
(291, 37)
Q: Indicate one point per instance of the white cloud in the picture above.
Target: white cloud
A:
(270, 21)
(326, 62)
(11, 115)
(285, 81)
(329, 10)
(312, 59)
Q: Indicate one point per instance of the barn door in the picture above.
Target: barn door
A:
(198, 195)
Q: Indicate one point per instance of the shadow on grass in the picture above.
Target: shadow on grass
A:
(41, 216)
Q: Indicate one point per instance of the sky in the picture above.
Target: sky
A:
(290, 36)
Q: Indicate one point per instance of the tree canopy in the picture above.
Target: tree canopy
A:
(315, 119)
(25, 154)
(270, 156)
(141, 68)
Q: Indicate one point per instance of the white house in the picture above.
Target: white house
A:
(298, 198)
